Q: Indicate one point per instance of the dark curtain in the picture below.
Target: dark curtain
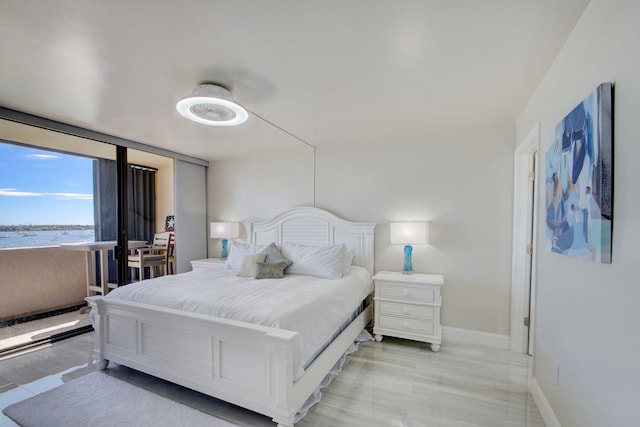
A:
(104, 202)
(142, 205)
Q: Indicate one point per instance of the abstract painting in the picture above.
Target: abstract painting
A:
(579, 180)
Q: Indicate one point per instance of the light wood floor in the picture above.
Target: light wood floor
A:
(396, 383)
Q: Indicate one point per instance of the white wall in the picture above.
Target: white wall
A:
(165, 193)
(587, 312)
(460, 180)
(258, 187)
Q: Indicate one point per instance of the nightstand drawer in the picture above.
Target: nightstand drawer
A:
(421, 327)
(391, 291)
(406, 310)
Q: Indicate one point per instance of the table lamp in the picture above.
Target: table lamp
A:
(224, 231)
(409, 233)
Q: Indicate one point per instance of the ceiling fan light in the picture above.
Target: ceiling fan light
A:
(212, 105)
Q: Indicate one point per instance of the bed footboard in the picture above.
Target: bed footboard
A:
(244, 364)
(248, 365)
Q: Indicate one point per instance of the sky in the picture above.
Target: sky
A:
(39, 187)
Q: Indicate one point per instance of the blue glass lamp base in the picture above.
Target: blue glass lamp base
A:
(223, 254)
(408, 266)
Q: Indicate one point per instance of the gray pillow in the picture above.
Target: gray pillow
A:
(273, 270)
(275, 256)
(248, 267)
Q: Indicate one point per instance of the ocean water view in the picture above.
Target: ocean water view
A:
(23, 239)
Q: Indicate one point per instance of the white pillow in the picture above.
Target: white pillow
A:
(238, 251)
(249, 264)
(326, 262)
(348, 260)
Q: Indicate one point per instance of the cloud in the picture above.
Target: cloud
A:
(41, 156)
(73, 196)
(12, 192)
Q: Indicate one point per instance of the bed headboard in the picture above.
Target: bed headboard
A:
(313, 226)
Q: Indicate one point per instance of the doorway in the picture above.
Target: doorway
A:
(523, 273)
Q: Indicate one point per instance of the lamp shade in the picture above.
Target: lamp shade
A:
(224, 230)
(409, 233)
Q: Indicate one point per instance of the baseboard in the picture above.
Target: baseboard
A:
(475, 337)
(543, 405)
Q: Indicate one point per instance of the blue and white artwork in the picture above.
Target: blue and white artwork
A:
(169, 223)
(579, 180)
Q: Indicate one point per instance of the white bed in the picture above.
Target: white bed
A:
(268, 368)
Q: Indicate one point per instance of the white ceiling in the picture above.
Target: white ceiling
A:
(330, 72)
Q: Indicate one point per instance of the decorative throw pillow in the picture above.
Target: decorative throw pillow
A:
(270, 270)
(249, 262)
(275, 256)
(237, 253)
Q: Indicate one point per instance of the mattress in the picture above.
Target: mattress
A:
(315, 308)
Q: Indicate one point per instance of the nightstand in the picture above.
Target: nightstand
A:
(198, 264)
(408, 306)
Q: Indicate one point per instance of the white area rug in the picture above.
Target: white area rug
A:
(100, 400)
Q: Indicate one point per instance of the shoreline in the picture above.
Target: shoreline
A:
(23, 228)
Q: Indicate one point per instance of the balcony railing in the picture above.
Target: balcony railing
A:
(40, 279)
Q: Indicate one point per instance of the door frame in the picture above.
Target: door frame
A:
(525, 217)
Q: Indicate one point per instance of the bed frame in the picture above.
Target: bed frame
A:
(248, 365)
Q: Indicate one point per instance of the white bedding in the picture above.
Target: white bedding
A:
(311, 306)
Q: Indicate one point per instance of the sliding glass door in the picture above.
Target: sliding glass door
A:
(149, 201)
(59, 191)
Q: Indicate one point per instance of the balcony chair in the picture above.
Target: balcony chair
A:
(171, 259)
(153, 256)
